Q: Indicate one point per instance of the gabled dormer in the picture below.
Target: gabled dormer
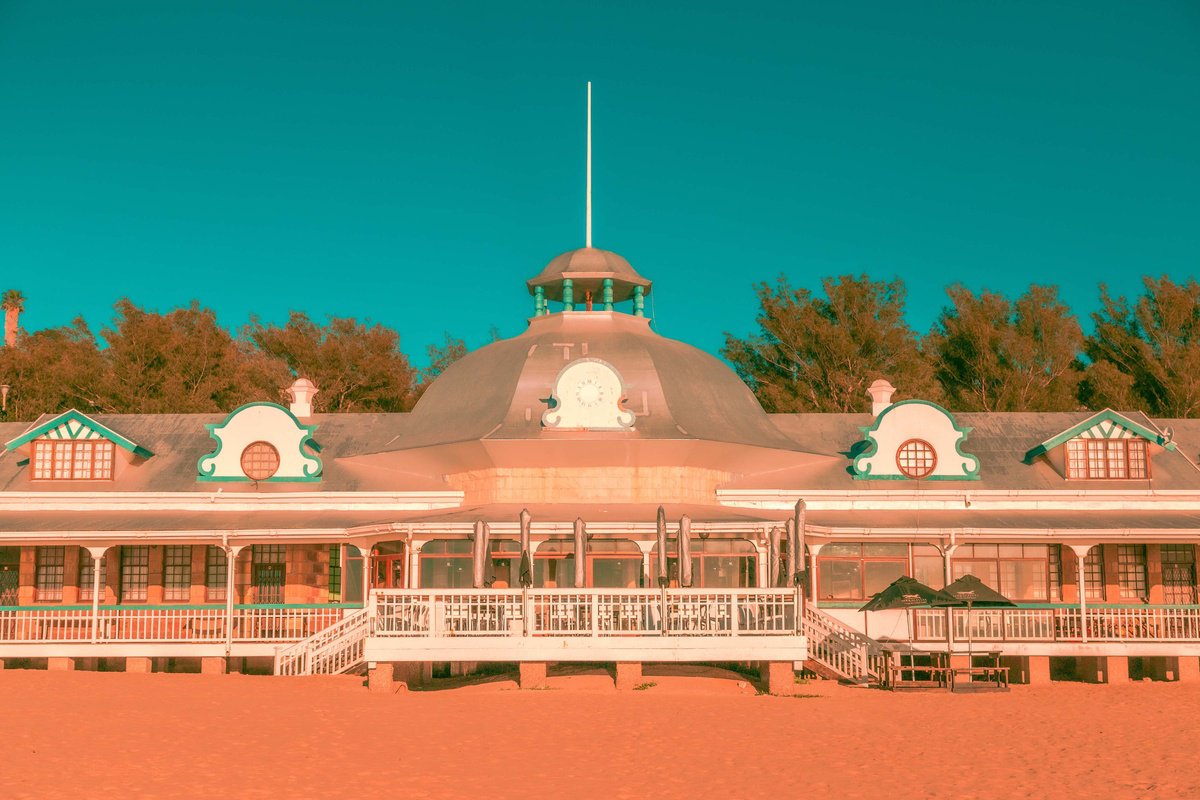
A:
(912, 440)
(74, 447)
(262, 443)
(1106, 446)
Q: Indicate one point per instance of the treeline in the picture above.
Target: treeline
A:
(183, 361)
(985, 352)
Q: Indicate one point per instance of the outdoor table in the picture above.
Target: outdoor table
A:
(937, 674)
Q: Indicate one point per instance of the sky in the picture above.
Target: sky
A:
(414, 163)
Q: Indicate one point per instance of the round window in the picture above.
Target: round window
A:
(260, 461)
(916, 458)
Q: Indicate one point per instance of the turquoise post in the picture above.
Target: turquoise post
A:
(568, 294)
(539, 301)
(639, 301)
(607, 294)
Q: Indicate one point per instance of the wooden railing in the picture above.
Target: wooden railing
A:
(583, 612)
(173, 623)
(1061, 624)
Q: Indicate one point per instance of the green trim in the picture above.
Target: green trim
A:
(83, 419)
(864, 472)
(1100, 416)
(857, 604)
(206, 476)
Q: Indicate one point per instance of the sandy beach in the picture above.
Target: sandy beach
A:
(167, 735)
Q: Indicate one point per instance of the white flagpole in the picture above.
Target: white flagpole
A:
(588, 238)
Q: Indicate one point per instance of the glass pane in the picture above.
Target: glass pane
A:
(617, 573)
(879, 549)
(1024, 580)
(1010, 550)
(928, 570)
(622, 546)
(445, 573)
(444, 546)
(984, 570)
(840, 550)
(880, 573)
(839, 580)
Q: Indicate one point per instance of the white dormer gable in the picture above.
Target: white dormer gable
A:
(261, 442)
(915, 440)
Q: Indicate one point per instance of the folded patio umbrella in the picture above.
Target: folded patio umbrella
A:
(795, 561)
(480, 555)
(580, 553)
(661, 523)
(773, 558)
(526, 578)
(685, 551)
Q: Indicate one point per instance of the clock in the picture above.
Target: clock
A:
(587, 395)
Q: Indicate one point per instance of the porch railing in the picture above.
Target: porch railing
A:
(168, 623)
(583, 612)
(1062, 624)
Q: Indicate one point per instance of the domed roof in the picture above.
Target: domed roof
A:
(675, 390)
(587, 267)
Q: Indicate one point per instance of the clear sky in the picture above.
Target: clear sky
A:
(415, 162)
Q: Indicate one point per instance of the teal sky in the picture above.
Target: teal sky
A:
(414, 163)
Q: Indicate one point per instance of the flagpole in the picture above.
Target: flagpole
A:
(588, 235)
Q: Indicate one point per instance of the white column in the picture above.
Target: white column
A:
(231, 555)
(760, 559)
(97, 554)
(414, 563)
(1081, 551)
(814, 548)
(646, 547)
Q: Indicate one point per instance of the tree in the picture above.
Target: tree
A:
(440, 357)
(1146, 355)
(13, 303)
(356, 366)
(181, 362)
(51, 371)
(993, 354)
(821, 353)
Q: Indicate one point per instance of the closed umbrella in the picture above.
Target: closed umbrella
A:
(526, 578)
(773, 558)
(795, 562)
(479, 555)
(580, 553)
(685, 551)
(661, 523)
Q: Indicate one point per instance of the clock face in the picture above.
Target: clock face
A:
(588, 395)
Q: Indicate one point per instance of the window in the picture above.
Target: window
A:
(135, 573)
(215, 574)
(70, 460)
(716, 564)
(1131, 571)
(260, 461)
(267, 572)
(87, 574)
(335, 573)
(10, 575)
(1093, 575)
(446, 564)
(48, 574)
(1021, 572)
(859, 571)
(1179, 573)
(916, 458)
(928, 566)
(1107, 459)
(177, 572)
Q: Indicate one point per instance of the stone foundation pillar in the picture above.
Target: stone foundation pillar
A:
(1116, 669)
(380, 678)
(138, 665)
(55, 664)
(1187, 669)
(779, 676)
(629, 674)
(532, 675)
(212, 665)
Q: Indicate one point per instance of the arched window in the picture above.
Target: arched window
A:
(916, 458)
(716, 563)
(260, 461)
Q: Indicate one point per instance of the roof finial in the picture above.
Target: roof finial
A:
(588, 238)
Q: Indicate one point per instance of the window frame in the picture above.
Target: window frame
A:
(272, 449)
(177, 573)
(45, 588)
(1052, 561)
(216, 562)
(71, 448)
(1133, 580)
(1096, 459)
(862, 560)
(135, 573)
(932, 452)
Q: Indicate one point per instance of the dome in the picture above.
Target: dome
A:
(675, 390)
(588, 268)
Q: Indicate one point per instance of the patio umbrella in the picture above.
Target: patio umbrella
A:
(685, 551)
(795, 561)
(580, 553)
(661, 523)
(969, 591)
(526, 578)
(479, 555)
(906, 592)
(773, 558)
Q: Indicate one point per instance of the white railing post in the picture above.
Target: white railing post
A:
(1081, 579)
(97, 554)
(734, 626)
(231, 554)
(595, 611)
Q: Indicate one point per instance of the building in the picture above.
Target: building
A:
(323, 542)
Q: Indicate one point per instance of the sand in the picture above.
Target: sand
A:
(115, 735)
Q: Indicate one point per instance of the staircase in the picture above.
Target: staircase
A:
(331, 651)
(838, 652)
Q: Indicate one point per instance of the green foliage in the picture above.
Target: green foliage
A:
(821, 353)
(51, 371)
(991, 353)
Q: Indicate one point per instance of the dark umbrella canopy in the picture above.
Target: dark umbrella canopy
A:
(970, 590)
(661, 531)
(906, 592)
